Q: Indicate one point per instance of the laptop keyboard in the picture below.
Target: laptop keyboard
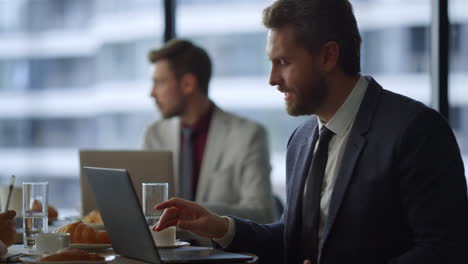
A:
(184, 253)
(197, 254)
(188, 255)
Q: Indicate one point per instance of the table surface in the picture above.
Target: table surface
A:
(19, 249)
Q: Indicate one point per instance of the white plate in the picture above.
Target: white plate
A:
(35, 260)
(91, 246)
(177, 244)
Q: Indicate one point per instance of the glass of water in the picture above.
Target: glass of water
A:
(153, 194)
(34, 211)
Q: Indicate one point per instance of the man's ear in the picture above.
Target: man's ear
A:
(188, 83)
(330, 53)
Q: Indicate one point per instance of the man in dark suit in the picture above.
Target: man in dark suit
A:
(372, 176)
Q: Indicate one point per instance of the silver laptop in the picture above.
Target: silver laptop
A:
(127, 228)
(144, 166)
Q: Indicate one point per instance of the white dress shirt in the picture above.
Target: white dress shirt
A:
(340, 124)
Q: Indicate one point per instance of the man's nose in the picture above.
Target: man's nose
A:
(153, 92)
(275, 78)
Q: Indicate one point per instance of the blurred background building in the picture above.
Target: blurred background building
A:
(74, 74)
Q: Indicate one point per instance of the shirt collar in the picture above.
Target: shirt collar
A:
(202, 125)
(344, 117)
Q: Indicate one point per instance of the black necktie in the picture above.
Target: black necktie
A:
(311, 197)
(186, 164)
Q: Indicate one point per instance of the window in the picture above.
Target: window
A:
(73, 74)
(11, 16)
(61, 73)
(458, 74)
(14, 75)
(395, 44)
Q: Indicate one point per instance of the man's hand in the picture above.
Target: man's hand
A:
(192, 217)
(307, 261)
(7, 228)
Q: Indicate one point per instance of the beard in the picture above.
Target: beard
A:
(174, 105)
(308, 98)
(173, 110)
(172, 113)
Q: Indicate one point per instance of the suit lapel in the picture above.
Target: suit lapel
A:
(300, 169)
(213, 151)
(353, 150)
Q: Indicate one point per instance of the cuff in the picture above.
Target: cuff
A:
(226, 240)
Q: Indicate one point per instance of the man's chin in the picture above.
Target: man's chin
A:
(293, 110)
(167, 115)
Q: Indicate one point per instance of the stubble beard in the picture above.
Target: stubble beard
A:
(308, 99)
(173, 111)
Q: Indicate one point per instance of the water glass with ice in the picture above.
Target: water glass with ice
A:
(35, 203)
(153, 194)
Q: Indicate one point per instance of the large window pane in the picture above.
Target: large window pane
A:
(395, 50)
(458, 75)
(73, 74)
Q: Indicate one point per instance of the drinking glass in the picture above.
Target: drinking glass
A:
(153, 194)
(34, 211)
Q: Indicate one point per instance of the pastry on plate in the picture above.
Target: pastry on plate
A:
(72, 254)
(52, 213)
(93, 217)
(81, 233)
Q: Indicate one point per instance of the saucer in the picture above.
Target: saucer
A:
(35, 260)
(177, 244)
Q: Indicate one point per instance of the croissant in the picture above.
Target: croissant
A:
(72, 254)
(51, 211)
(81, 233)
(93, 217)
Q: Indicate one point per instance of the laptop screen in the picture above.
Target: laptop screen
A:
(122, 214)
(142, 166)
(128, 230)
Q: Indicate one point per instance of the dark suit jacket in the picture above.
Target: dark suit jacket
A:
(400, 194)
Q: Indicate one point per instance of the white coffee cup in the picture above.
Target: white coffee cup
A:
(166, 237)
(52, 242)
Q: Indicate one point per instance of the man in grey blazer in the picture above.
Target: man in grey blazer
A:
(224, 163)
(373, 177)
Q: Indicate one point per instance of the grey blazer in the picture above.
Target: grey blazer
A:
(235, 173)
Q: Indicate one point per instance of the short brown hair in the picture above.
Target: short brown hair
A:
(317, 22)
(185, 57)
